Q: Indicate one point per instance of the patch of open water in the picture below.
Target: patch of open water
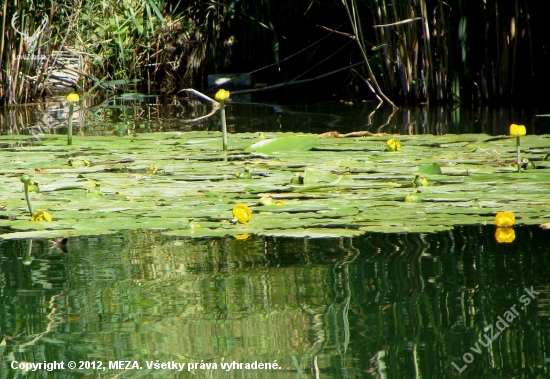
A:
(377, 305)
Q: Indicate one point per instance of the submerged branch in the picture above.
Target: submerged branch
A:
(200, 95)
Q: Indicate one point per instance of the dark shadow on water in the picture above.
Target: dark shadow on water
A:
(377, 305)
(122, 117)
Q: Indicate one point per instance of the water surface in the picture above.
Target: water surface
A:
(177, 113)
(373, 306)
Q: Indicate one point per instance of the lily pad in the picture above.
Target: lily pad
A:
(290, 143)
(430, 168)
(166, 181)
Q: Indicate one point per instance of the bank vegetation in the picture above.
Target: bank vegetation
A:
(404, 52)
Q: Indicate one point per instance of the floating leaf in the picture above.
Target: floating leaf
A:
(430, 168)
(343, 184)
(313, 176)
(291, 143)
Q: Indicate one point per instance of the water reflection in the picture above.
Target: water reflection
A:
(167, 114)
(378, 305)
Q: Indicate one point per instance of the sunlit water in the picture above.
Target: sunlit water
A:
(374, 306)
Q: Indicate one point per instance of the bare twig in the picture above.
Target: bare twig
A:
(363, 133)
(200, 95)
(275, 86)
(398, 22)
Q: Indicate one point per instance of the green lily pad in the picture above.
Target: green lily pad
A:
(161, 181)
(291, 143)
(430, 168)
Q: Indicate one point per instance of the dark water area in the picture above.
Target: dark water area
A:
(373, 306)
(157, 114)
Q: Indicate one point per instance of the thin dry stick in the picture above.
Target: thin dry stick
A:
(290, 56)
(296, 81)
(356, 25)
(380, 101)
(398, 23)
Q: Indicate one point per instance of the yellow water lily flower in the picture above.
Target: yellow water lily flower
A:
(393, 144)
(504, 219)
(419, 181)
(517, 130)
(222, 95)
(241, 236)
(41, 216)
(73, 97)
(280, 202)
(505, 235)
(242, 213)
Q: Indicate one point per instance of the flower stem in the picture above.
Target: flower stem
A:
(224, 126)
(518, 155)
(70, 126)
(28, 198)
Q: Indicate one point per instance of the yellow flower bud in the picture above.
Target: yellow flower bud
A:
(72, 97)
(242, 213)
(266, 200)
(411, 198)
(517, 130)
(41, 216)
(505, 235)
(419, 181)
(393, 144)
(504, 219)
(222, 95)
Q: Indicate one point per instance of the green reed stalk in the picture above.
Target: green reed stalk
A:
(221, 96)
(71, 98)
(26, 179)
(518, 157)
(70, 126)
(224, 126)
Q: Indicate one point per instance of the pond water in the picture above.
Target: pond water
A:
(174, 114)
(373, 306)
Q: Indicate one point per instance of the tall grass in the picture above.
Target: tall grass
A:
(444, 51)
(416, 51)
(118, 40)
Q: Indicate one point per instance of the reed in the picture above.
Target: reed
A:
(426, 57)
(415, 51)
(119, 41)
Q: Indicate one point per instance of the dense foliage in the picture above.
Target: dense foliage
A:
(418, 50)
